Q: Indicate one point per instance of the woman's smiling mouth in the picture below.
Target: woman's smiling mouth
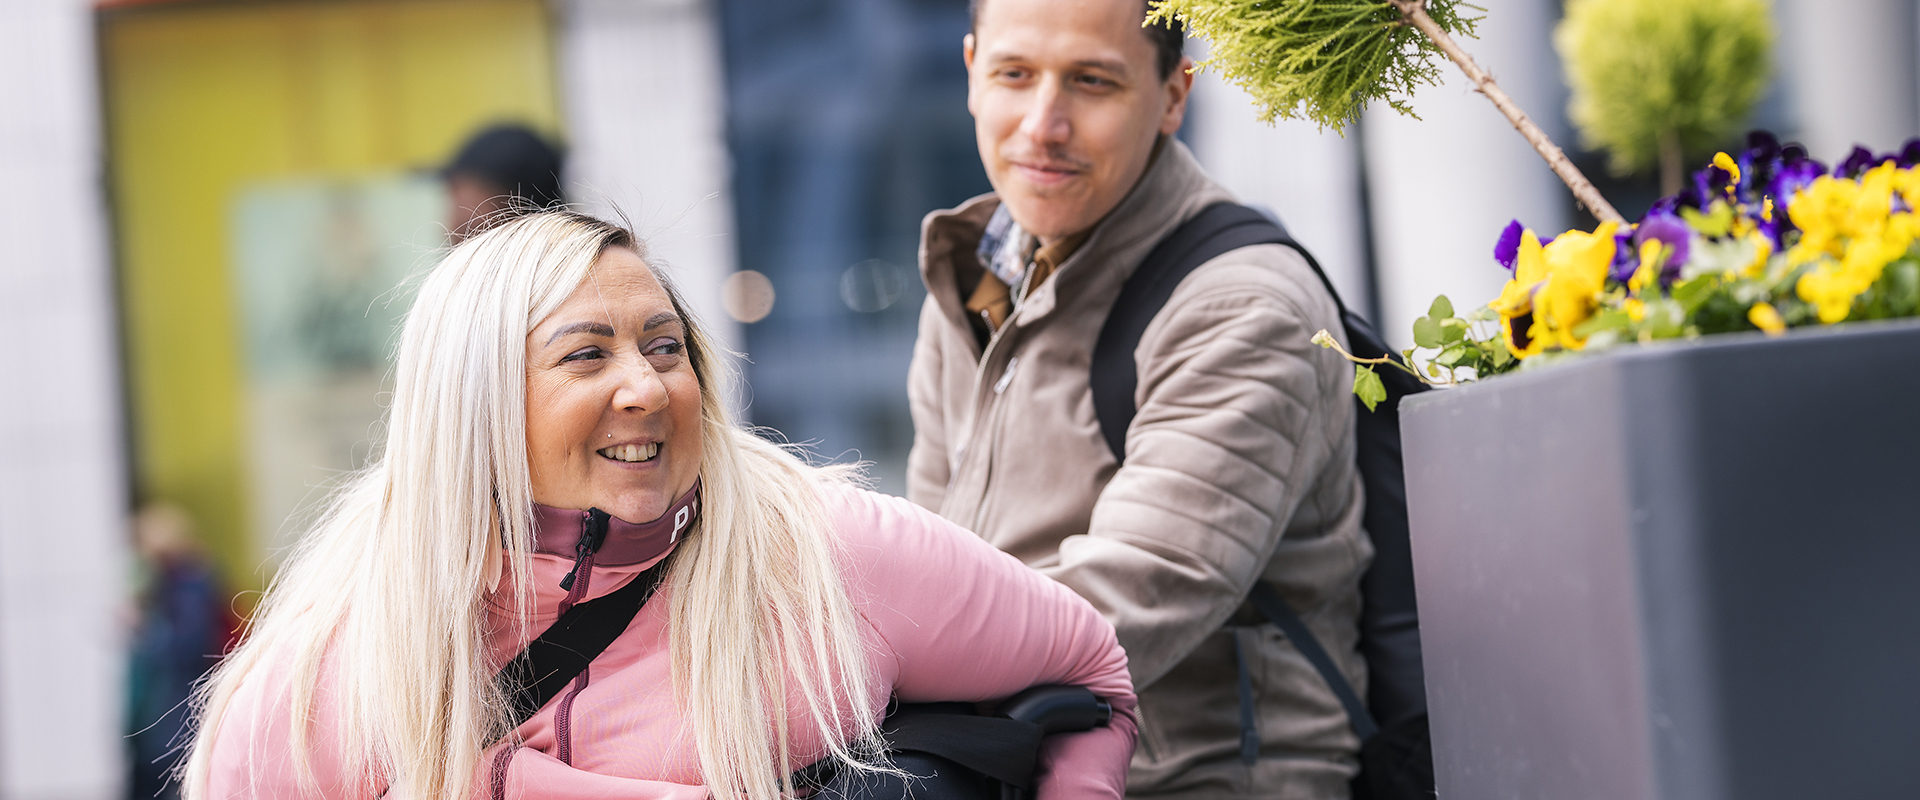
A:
(631, 453)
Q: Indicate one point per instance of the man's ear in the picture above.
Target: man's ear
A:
(966, 54)
(1179, 86)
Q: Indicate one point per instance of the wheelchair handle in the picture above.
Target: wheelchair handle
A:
(1058, 709)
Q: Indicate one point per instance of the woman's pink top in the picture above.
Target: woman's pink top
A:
(948, 618)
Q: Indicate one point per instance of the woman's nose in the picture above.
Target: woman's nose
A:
(640, 388)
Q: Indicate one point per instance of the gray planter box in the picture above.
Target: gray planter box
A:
(1688, 571)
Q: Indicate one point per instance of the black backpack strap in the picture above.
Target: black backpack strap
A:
(541, 671)
(1275, 607)
(1215, 231)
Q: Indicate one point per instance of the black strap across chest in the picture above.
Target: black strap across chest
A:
(543, 670)
(1215, 231)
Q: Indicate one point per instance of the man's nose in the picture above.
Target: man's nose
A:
(1046, 120)
(641, 388)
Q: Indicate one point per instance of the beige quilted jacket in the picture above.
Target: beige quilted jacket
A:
(1240, 465)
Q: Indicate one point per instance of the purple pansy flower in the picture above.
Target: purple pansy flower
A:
(1507, 249)
(1795, 173)
(1910, 153)
(1758, 164)
(1625, 260)
(1858, 161)
(1663, 224)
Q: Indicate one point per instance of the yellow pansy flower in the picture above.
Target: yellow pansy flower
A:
(1767, 318)
(1850, 232)
(1515, 303)
(1726, 162)
(1554, 289)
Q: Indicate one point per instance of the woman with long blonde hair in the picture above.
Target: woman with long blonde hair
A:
(557, 435)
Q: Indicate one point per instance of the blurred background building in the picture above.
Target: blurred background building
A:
(213, 209)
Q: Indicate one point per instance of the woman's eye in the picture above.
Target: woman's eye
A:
(584, 354)
(666, 348)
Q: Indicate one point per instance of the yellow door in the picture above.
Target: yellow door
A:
(270, 176)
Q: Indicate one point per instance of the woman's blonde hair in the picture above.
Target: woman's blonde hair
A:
(390, 586)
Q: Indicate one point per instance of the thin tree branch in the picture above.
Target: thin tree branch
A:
(1415, 12)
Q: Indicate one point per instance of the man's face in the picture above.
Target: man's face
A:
(1067, 101)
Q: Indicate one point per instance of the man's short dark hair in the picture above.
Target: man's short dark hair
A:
(514, 158)
(1169, 38)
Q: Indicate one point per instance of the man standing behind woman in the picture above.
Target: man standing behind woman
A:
(1239, 465)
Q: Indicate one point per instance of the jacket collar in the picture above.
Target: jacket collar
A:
(1172, 189)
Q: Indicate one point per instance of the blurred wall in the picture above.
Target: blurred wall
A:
(234, 129)
(63, 496)
(1848, 71)
(1443, 186)
(847, 123)
(1310, 178)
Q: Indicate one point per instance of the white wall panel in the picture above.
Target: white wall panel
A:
(1850, 68)
(63, 527)
(1309, 177)
(1443, 186)
(644, 102)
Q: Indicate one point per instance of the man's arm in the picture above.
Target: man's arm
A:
(1238, 414)
(927, 464)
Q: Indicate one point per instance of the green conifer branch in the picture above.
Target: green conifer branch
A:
(1325, 60)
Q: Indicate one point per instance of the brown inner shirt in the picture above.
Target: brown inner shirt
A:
(993, 299)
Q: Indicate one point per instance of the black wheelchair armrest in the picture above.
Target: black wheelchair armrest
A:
(1058, 709)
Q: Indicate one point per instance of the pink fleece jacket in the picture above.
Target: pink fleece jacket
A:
(948, 618)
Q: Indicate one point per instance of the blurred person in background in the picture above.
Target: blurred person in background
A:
(557, 436)
(1239, 464)
(183, 625)
(502, 170)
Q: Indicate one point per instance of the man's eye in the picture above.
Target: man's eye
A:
(1013, 74)
(1094, 81)
(584, 354)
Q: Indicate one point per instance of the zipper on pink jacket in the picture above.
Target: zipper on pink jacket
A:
(563, 718)
(593, 533)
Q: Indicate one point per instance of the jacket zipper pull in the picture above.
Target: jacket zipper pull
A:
(594, 534)
(1000, 386)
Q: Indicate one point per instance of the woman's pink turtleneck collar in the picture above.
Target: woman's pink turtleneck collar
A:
(571, 534)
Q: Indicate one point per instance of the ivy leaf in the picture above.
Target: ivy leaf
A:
(1367, 386)
(1456, 355)
(1664, 319)
(1452, 330)
(1426, 332)
(1442, 308)
(1716, 222)
(1695, 292)
(1903, 288)
(1500, 354)
(1605, 319)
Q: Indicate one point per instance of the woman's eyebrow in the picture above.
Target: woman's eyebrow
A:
(662, 318)
(595, 328)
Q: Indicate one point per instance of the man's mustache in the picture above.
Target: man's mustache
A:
(1049, 158)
